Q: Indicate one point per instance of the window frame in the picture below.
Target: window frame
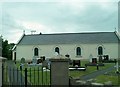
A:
(78, 51)
(100, 50)
(57, 49)
(36, 51)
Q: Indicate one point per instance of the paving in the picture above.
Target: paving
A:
(96, 73)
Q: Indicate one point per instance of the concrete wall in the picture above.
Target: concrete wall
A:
(48, 51)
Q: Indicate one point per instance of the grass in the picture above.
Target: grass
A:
(35, 77)
(112, 76)
(89, 69)
(38, 77)
(105, 78)
(100, 78)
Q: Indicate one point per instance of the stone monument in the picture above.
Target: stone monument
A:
(90, 57)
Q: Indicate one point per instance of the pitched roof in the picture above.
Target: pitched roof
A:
(69, 38)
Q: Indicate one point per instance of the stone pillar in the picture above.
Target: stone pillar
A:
(1, 70)
(59, 72)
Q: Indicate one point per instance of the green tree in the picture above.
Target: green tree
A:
(0, 45)
(7, 49)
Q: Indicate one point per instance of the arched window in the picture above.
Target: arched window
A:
(100, 50)
(36, 52)
(57, 50)
(78, 51)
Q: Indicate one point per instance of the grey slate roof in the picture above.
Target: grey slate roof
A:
(69, 38)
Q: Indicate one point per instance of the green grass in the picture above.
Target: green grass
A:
(35, 74)
(89, 69)
(105, 78)
(100, 78)
(38, 77)
(75, 74)
(111, 77)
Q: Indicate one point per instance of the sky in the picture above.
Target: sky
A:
(56, 16)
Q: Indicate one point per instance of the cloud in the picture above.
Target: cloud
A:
(14, 36)
(9, 21)
(11, 30)
(59, 1)
(59, 16)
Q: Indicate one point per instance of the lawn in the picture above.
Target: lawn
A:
(105, 78)
(89, 69)
(35, 74)
(38, 77)
(111, 76)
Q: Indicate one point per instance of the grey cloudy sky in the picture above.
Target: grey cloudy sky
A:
(56, 16)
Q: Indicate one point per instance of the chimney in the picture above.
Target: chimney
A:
(40, 33)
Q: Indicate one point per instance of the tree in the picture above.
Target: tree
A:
(7, 49)
(0, 45)
(11, 45)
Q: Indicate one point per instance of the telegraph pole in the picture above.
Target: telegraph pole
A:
(119, 43)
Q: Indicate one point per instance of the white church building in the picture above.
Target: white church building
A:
(77, 45)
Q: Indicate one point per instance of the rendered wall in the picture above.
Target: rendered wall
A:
(48, 51)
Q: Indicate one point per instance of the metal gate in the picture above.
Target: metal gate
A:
(30, 76)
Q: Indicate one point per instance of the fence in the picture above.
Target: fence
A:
(32, 76)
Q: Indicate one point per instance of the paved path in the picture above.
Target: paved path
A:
(15, 76)
(96, 73)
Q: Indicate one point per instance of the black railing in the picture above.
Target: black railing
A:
(30, 76)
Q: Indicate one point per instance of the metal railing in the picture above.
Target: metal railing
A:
(30, 76)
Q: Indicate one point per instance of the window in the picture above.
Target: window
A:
(36, 52)
(100, 50)
(14, 56)
(57, 50)
(78, 51)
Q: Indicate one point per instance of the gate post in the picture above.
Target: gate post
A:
(25, 77)
(1, 70)
(59, 72)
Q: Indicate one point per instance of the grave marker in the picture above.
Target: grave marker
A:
(94, 60)
(106, 57)
(34, 61)
(22, 60)
(100, 58)
(90, 57)
(76, 63)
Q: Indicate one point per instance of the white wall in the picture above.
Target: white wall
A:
(26, 51)
(112, 50)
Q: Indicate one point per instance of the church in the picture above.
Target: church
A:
(76, 45)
